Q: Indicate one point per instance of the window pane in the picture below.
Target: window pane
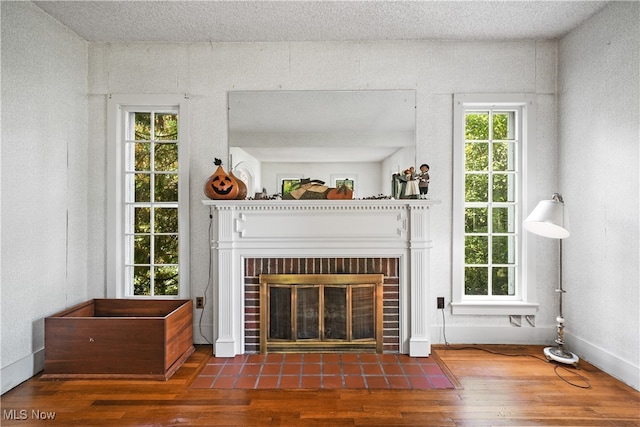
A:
(476, 250)
(476, 281)
(143, 187)
(503, 187)
(503, 219)
(166, 249)
(490, 162)
(141, 281)
(504, 156)
(142, 156)
(503, 250)
(142, 221)
(166, 280)
(475, 220)
(166, 157)
(165, 220)
(476, 156)
(166, 188)
(476, 188)
(307, 313)
(502, 125)
(166, 127)
(503, 282)
(142, 126)
(151, 193)
(477, 126)
(142, 249)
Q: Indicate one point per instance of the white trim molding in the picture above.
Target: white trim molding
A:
(21, 370)
(116, 286)
(523, 302)
(498, 335)
(625, 371)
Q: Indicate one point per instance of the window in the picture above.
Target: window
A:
(148, 158)
(490, 143)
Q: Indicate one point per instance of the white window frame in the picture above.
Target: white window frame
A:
(116, 212)
(523, 301)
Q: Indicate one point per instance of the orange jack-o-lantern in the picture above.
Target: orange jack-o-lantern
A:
(220, 185)
(242, 187)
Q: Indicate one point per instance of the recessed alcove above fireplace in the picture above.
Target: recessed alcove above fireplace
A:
(254, 237)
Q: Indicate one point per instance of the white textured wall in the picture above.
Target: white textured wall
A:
(47, 266)
(599, 122)
(435, 69)
(44, 187)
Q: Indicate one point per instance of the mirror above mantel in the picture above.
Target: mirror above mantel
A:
(365, 136)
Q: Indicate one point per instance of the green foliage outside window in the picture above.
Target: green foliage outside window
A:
(489, 195)
(153, 168)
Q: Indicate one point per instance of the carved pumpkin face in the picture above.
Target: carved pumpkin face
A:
(221, 186)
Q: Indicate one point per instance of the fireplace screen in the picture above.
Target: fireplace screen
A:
(322, 312)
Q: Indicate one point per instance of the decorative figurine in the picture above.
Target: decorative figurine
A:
(423, 180)
(412, 190)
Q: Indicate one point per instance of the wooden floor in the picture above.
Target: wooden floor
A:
(491, 390)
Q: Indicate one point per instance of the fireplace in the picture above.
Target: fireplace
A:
(321, 312)
(385, 268)
(265, 237)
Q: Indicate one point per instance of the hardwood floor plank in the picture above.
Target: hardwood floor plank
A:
(491, 390)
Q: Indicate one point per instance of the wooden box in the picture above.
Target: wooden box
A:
(119, 338)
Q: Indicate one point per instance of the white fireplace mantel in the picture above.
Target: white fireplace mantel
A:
(320, 228)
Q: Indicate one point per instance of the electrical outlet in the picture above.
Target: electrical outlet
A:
(199, 302)
(440, 302)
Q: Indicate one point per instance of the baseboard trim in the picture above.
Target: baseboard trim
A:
(20, 371)
(492, 335)
(620, 369)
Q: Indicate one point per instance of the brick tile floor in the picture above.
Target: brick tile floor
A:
(323, 371)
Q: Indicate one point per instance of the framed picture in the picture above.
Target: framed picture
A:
(285, 182)
(350, 180)
(289, 184)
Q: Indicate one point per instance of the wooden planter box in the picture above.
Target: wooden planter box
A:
(119, 338)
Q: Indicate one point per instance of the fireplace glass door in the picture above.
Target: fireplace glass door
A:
(328, 315)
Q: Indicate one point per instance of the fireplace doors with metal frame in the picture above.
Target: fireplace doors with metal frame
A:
(321, 312)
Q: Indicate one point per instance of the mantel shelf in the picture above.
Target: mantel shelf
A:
(320, 204)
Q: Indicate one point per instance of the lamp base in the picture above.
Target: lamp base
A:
(561, 355)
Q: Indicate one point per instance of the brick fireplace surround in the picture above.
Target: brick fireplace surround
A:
(250, 237)
(253, 267)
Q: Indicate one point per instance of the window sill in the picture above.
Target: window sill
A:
(494, 308)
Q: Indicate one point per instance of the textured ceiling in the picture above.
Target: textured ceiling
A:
(236, 21)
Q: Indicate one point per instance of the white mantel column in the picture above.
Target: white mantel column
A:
(419, 247)
(227, 343)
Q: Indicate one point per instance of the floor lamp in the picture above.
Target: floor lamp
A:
(550, 219)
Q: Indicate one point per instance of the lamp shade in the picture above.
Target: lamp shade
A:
(548, 219)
